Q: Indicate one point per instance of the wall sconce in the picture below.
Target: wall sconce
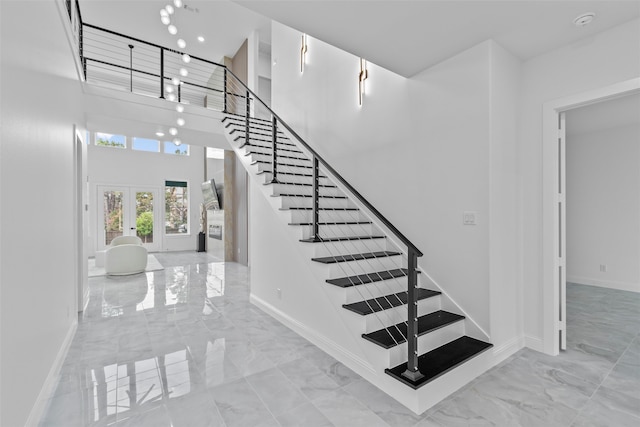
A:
(364, 74)
(303, 52)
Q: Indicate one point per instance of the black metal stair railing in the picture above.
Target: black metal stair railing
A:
(127, 63)
(412, 373)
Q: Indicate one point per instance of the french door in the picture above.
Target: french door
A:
(129, 211)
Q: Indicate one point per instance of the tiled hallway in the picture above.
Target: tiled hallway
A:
(184, 347)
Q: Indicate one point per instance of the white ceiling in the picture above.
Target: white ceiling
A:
(613, 113)
(404, 36)
(409, 36)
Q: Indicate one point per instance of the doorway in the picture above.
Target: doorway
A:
(554, 209)
(129, 211)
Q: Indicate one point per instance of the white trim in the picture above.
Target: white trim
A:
(550, 227)
(610, 284)
(324, 343)
(51, 382)
(534, 343)
(507, 349)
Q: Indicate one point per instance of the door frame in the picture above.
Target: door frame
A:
(553, 221)
(128, 203)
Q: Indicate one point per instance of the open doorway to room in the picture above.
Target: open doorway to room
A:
(556, 115)
(602, 222)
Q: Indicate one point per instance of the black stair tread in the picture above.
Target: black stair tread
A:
(298, 208)
(341, 239)
(332, 223)
(441, 360)
(393, 335)
(375, 305)
(290, 173)
(308, 195)
(354, 257)
(266, 162)
(361, 279)
(301, 184)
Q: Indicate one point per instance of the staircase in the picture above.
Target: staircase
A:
(360, 260)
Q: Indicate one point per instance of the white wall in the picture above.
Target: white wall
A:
(422, 150)
(108, 165)
(604, 59)
(39, 104)
(603, 207)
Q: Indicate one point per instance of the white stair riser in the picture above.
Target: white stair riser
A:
(352, 268)
(286, 152)
(306, 202)
(341, 230)
(283, 177)
(323, 249)
(267, 158)
(266, 167)
(304, 190)
(298, 216)
(426, 342)
(393, 316)
(374, 290)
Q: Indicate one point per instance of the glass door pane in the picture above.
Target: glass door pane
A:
(144, 216)
(113, 215)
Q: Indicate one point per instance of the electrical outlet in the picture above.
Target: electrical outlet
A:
(279, 291)
(469, 217)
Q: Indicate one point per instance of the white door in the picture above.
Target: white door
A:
(128, 211)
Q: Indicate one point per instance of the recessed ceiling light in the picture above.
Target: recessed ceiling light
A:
(163, 12)
(173, 30)
(173, 131)
(159, 133)
(175, 81)
(184, 72)
(186, 58)
(180, 121)
(169, 9)
(177, 3)
(177, 141)
(165, 19)
(584, 19)
(179, 108)
(169, 89)
(182, 44)
(171, 97)
(201, 39)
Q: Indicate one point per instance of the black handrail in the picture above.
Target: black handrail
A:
(339, 177)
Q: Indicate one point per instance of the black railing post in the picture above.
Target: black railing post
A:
(83, 60)
(274, 150)
(179, 91)
(161, 73)
(225, 90)
(131, 68)
(413, 372)
(248, 114)
(316, 199)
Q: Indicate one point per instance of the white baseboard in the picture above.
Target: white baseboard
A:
(324, 343)
(50, 383)
(507, 349)
(621, 286)
(534, 343)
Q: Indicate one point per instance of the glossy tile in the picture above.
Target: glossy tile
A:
(185, 347)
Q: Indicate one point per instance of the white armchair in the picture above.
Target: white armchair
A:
(125, 255)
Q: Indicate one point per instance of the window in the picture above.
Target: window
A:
(180, 150)
(110, 140)
(176, 202)
(144, 144)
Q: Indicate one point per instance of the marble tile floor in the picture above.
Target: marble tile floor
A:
(184, 347)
